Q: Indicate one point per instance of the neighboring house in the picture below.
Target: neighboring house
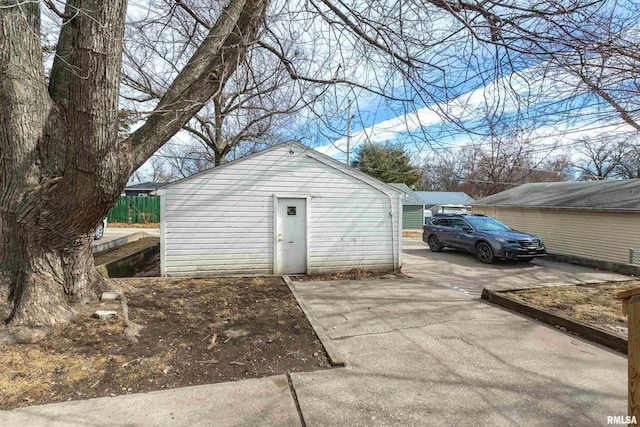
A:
(412, 208)
(285, 210)
(592, 223)
(437, 201)
(142, 190)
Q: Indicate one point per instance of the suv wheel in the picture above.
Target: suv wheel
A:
(484, 253)
(434, 244)
(99, 232)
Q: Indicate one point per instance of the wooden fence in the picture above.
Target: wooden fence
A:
(631, 307)
(136, 210)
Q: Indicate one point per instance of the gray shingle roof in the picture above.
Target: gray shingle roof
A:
(618, 195)
(144, 186)
(411, 199)
(432, 198)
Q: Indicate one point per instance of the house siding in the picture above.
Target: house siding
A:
(412, 217)
(222, 222)
(602, 236)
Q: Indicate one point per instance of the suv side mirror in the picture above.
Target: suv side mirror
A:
(467, 229)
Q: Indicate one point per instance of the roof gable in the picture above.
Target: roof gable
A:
(322, 158)
(618, 195)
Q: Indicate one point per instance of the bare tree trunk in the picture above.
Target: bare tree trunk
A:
(220, 157)
(47, 279)
(220, 146)
(62, 165)
(60, 173)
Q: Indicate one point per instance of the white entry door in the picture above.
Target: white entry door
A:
(292, 236)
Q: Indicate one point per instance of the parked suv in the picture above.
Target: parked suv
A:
(485, 237)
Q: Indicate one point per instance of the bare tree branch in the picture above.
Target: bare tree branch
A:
(214, 59)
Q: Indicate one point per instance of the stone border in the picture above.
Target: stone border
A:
(615, 267)
(609, 339)
(335, 357)
(101, 247)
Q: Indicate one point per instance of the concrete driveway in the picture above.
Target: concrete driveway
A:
(427, 351)
(463, 272)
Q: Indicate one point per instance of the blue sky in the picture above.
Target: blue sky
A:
(544, 107)
(546, 123)
(547, 105)
(380, 121)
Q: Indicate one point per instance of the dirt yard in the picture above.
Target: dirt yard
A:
(595, 304)
(194, 331)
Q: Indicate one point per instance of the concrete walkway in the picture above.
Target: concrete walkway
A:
(115, 237)
(420, 354)
(111, 234)
(254, 402)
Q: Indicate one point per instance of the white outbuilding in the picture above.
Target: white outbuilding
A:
(285, 210)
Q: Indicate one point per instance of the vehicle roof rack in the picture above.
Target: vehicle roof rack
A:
(455, 214)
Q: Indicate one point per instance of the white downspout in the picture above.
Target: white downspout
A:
(393, 234)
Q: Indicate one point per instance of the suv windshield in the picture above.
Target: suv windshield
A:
(486, 224)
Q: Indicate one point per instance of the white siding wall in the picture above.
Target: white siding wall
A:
(222, 222)
(604, 236)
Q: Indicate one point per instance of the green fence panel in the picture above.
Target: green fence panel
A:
(145, 210)
(120, 213)
(136, 210)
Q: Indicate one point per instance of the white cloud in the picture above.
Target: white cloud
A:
(510, 93)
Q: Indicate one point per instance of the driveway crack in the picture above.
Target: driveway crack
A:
(395, 330)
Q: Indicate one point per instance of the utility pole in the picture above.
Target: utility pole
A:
(349, 101)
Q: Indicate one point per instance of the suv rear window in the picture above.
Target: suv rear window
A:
(443, 222)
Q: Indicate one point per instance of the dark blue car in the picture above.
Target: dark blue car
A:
(485, 237)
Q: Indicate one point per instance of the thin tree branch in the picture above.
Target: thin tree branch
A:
(194, 15)
(55, 10)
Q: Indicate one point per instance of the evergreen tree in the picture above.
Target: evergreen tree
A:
(388, 163)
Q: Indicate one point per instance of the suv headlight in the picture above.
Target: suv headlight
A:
(503, 240)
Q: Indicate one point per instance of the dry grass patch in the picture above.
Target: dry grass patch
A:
(33, 375)
(408, 233)
(353, 274)
(195, 331)
(595, 304)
